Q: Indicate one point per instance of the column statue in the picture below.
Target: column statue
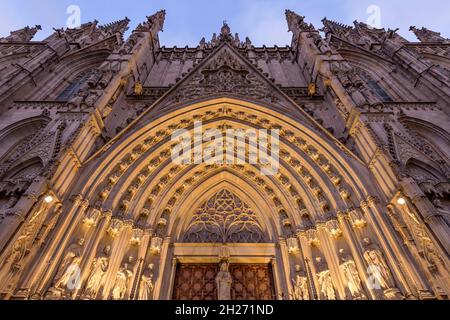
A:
(99, 268)
(326, 285)
(69, 265)
(147, 286)
(351, 275)
(123, 278)
(378, 265)
(300, 284)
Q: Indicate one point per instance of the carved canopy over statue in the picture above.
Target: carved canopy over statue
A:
(224, 219)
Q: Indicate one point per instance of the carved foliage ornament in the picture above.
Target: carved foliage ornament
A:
(225, 74)
(224, 219)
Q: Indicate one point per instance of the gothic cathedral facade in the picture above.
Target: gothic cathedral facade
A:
(92, 205)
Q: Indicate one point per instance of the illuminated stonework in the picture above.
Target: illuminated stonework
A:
(93, 207)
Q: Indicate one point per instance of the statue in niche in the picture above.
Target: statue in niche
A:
(123, 278)
(379, 268)
(326, 285)
(224, 281)
(99, 269)
(10, 264)
(147, 285)
(300, 283)
(69, 265)
(348, 268)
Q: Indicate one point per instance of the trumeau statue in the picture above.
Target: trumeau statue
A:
(326, 285)
(147, 285)
(224, 281)
(123, 279)
(99, 269)
(69, 265)
(300, 283)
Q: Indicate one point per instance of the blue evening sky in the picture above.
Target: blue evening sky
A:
(263, 21)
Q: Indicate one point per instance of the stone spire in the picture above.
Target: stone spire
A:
(296, 23)
(336, 28)
(224, 36)
(156, 21)
(426, 35)
(120, 26)
(22, 35)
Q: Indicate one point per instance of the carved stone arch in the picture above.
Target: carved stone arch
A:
(231, 176)
(381, 71)
(432, 133)
(27, 167)
(121, 150)
(16, 133)
(17, 180)
(295, 179)
(265, 213)
(426, 175)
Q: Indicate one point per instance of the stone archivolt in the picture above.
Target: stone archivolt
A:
(360, 197)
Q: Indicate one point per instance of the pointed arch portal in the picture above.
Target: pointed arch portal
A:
(194, 210)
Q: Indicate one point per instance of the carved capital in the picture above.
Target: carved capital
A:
(373, 201)
(84, 205)
(115, 226)
(364, 205)
(92, 217)
(77, 200)
(333, 229)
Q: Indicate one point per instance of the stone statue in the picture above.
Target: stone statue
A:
(224, 281)
(378, 265)
(69, 265)
(99, 269)
(123, 278)
(147, 286)
(10, 264)
(300, 284)
(326, 285)
(352, 278)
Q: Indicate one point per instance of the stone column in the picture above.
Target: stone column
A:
(331, 257)
(48, 261)
(173, 271)
(278, 287)
(356, 249)
(161, 288)
(121, 232)
(286, 267)
(431, 216)
(419, 280)
(309, 264)
(388, 242)
(15, 216)
(142, 265)
(92, 247)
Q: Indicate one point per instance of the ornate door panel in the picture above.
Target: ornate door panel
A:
(252, 282)
(198, 282)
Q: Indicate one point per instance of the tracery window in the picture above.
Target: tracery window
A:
(224, 218)
(376, 88)
(74, 86)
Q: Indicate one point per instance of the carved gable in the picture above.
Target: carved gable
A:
(225, 73)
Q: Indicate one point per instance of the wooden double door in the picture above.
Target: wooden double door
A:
(198, 282)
